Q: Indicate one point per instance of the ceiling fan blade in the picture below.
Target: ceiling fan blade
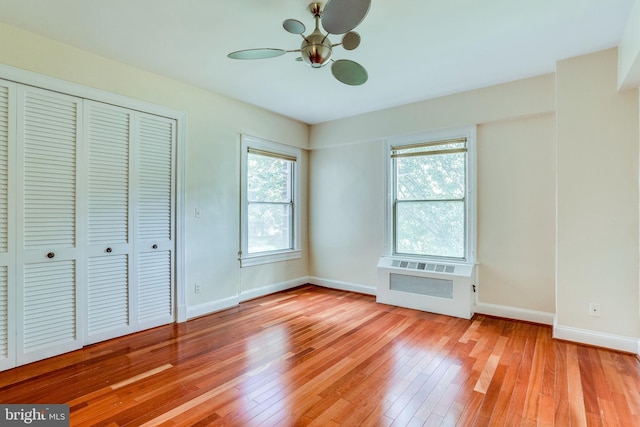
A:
(351, 40)
(294, 26)
(349, 72)
(341, 16)
(261, 53)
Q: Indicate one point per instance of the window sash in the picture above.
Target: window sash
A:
(448, 172)
(437, 242)
(284, 241)
(283, 230)
(278, 201)
(440, 147)
(288, 186)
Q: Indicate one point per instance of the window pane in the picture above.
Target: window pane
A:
(430, 228)
(430, 177)
(269, 227)
(268, 179)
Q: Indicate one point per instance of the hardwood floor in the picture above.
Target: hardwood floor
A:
(314, 356)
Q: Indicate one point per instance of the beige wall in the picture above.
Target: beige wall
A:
(516, 213)
(347, 212)
(597, 183)
(517, 99)
(516, 176)
(214, 125)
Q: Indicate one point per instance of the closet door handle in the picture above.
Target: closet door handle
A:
(51, 255)
(154, 246)
(108, 250)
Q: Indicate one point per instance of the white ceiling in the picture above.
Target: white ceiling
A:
(412, 49)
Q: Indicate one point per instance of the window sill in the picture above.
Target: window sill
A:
(268, 258)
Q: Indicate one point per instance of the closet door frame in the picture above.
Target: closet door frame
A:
(8, 258)
(18, 75)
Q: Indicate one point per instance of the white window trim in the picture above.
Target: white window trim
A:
(246, 259)
(471, 195)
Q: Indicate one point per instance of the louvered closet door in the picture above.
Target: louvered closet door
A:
(7, 226)
(108, 132)
(154, 245)
(48, 260)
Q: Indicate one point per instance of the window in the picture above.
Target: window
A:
(269, 202)
(431, 213)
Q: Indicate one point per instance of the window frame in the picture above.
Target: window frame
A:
(470, 209)
(246, 259)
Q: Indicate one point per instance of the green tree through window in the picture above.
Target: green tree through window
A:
(270, 202)
(269, 192)
(429, 198)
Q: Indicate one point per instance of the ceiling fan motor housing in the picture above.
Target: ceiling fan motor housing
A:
(316, 49)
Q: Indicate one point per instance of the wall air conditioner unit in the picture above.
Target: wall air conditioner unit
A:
(443, 288)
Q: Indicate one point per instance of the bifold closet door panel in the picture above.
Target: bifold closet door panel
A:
(48, 258)
(7, 226)
(108, 131)
(155, 212)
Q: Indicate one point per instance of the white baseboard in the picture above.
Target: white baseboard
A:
(343, 286)
(581, 336)
(212, 307)
(271, 289)
(223, 304)
(515, 313)
(598, 339)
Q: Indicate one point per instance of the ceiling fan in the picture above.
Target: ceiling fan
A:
(337, 17)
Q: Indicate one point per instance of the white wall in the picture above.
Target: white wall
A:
(214, 125)
(597, 242)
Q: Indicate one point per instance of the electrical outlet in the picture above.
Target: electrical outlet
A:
(196, 288)
(594, 309)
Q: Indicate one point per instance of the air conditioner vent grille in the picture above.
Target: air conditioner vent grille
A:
(423, 266)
